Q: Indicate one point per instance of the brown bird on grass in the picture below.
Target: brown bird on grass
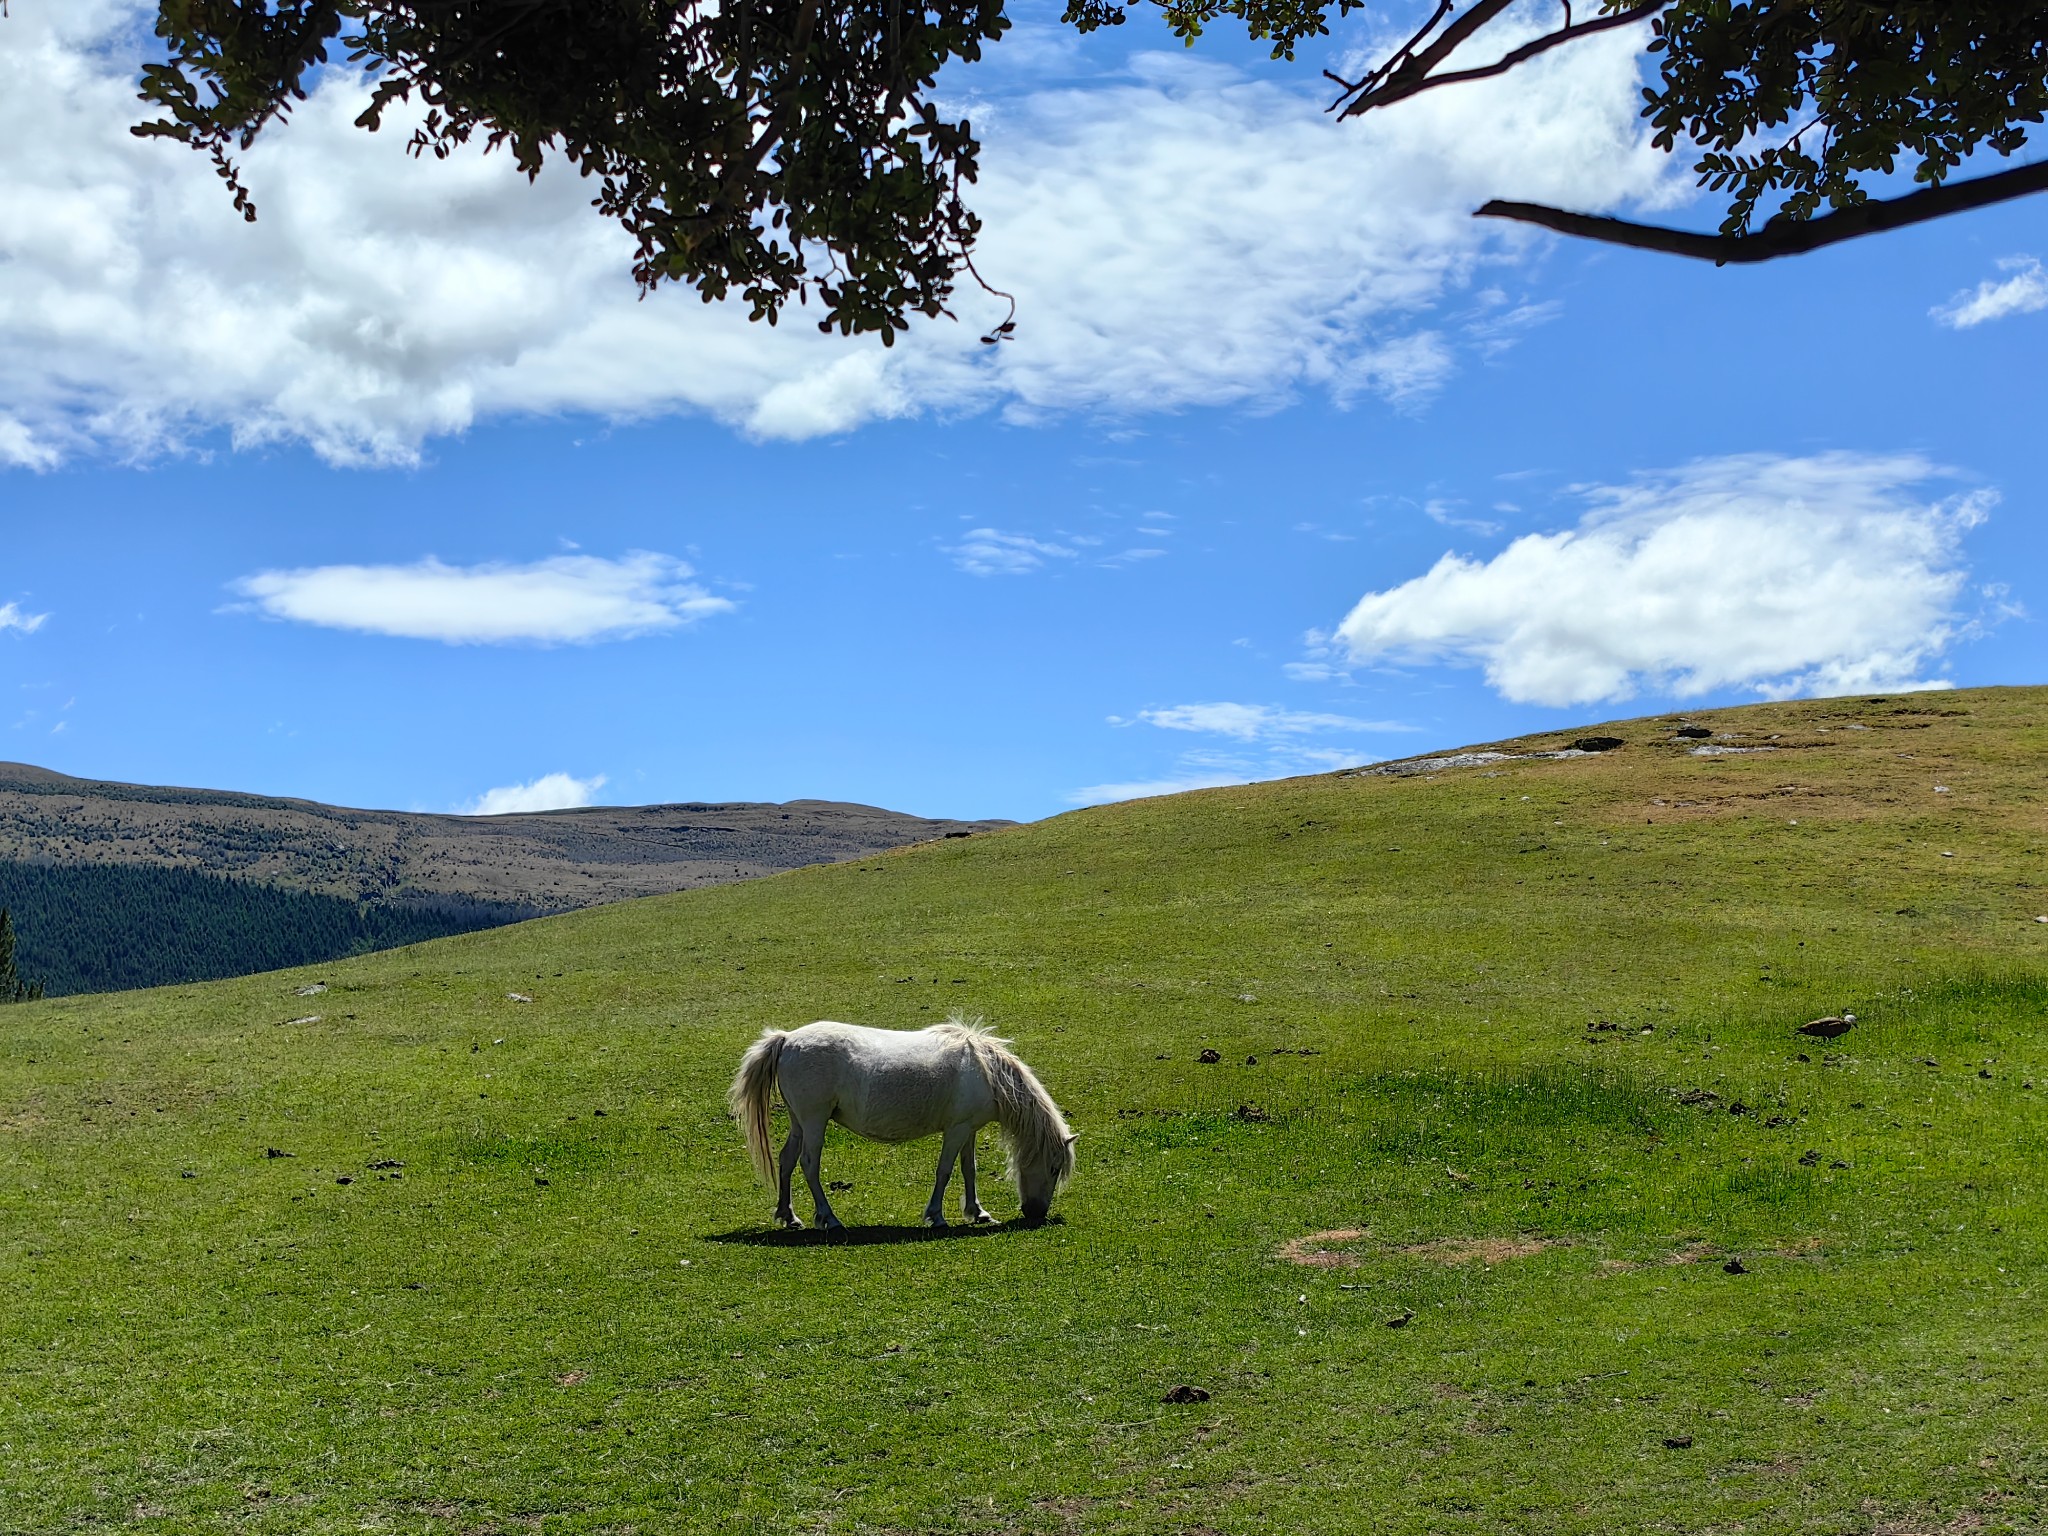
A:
(1829, 1028)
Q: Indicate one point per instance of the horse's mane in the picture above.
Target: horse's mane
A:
(1033, 1129)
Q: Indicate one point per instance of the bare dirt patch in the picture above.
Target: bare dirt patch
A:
(1072, 1513)
(1808, 1248)
(1691, 1253)
(1323, 1250)
(1336, 1249)
(1483, 1250)
(23, 1119)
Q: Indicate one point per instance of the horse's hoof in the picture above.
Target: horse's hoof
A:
(982, 1219)
(935, 1221)
(791, 1223)
(833, 1224)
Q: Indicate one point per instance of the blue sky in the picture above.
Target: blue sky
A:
(1192, 526)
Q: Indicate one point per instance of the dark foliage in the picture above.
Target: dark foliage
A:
(764, 147)
(1864, 89)
(774, 147)
(103, 928)
(12, 988)
(1801, 104)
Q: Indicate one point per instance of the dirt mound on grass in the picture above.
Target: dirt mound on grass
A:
(1485, 1250)
(1323, 1250)
(1334, 1249)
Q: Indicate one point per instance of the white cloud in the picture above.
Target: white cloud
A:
(1144, 789)
(1407, 370)
(21, 448)
(1180, 235)
(991, 552)
(570, 599)
(1257, 722)
(11, 617)
(1273, 739)
(1495, 329)
(2021, 294)
(549, 792)
(1438, 510)
(1311, 671)
(1782, 576)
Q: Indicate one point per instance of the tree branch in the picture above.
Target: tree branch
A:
(1407, 66)
(1407, 83)
(1456, 33)
(1784, 237)
(1372, 77)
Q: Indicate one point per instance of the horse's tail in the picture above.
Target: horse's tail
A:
(753, 1092)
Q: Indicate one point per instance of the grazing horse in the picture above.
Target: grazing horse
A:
(900, 1085)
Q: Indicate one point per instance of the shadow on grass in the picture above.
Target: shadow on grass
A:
(855, 1237)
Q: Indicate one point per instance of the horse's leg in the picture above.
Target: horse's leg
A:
(956, 1137)
(784, 1213)
(814, 1145)
(971, 1205)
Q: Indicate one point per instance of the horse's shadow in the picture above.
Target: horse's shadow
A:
(859, 1237)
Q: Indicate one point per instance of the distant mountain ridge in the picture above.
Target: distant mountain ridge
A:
(540, 861)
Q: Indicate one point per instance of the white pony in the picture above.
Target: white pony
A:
(900, 1085)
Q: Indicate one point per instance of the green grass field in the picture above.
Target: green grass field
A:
(566, 1311)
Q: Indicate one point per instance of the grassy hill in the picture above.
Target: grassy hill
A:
(1507, 1052)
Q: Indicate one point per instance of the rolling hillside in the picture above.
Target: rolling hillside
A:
(546, 860)
(126, 885)
(1512, 1202)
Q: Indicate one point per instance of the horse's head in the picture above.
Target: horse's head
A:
(1040, 1180)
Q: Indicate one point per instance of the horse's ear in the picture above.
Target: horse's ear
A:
(1076, 1136)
